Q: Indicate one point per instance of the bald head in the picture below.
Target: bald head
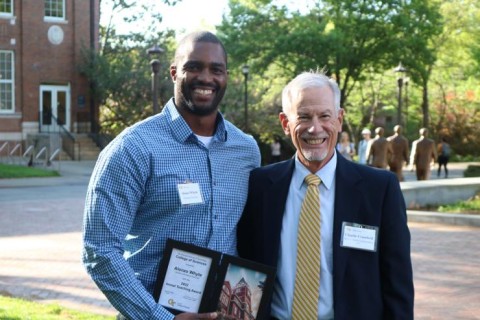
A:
(194, 37)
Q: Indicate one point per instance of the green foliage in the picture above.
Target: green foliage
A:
(465, 158)
(8, 171)
(121, 79)
(352, 40)
(13, 309)
(120, 72)
(469, 206)
(358, 42)
(455, 82)
(472, 171)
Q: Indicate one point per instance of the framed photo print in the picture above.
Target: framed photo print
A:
(244, 288)
(186, 277)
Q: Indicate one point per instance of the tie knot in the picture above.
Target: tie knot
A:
(312, 179)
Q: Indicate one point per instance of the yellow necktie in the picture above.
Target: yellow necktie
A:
(307, 280)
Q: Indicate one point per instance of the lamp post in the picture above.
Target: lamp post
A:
(155, 52)
(405, 82)
(400, 69)
(245, 71)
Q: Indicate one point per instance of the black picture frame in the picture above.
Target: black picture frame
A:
(242, 275)
(183, 250)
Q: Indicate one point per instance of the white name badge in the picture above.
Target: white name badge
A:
(359, 236)
(189, 193)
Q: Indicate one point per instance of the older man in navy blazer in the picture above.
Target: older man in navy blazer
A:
(369, 279)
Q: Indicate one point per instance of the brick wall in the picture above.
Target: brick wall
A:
(38, 61)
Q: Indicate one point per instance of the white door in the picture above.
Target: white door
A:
(54, 107)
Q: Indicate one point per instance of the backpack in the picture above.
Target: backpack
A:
(445, 149)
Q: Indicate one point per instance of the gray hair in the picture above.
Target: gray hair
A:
(310, 79)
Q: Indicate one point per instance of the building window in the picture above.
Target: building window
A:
(6, 7)
(6, 81)
(55, 9)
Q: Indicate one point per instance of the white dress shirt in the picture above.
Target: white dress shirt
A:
(285, 282)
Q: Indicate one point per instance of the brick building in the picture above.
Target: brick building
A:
(236, 303)
(44, 99)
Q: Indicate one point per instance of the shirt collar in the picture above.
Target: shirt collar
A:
(180, 129)
(326, 174)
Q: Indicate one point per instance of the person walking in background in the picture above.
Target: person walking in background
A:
(443, 156)
(363, 145)
(345, 147)
(423, 155)
(370, 279)
(166, 177)
(276, 150)
(379, 150)
(400, 152)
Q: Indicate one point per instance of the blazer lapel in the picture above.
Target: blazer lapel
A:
(347, 199)
(273, 202)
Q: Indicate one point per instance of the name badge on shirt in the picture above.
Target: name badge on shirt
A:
(359, 236)
(189, 193)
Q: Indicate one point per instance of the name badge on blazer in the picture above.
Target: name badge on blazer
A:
(359, 236)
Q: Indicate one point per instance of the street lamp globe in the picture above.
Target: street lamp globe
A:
(400, 68)
(155, 51)
(245, 70)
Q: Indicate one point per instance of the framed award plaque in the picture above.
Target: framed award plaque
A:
(198, 280)
(186, 277)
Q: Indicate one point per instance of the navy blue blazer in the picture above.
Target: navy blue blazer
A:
(366, 285)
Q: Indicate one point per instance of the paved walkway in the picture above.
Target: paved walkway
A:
(455, 170)
(40, 241)
(446, 264)
(40, 237)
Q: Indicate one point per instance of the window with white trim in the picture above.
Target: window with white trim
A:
(7, 78)
(55, 9)
(6, 7)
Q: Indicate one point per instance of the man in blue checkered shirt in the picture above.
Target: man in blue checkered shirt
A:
(140, 192)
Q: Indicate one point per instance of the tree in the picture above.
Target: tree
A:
(120, 71)
(357, 42)
(455, 78)
(347, 38)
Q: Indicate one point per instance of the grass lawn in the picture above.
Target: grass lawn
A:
(10, 171)
(19, 309)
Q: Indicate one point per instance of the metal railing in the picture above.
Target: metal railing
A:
(43, 152)
(5, 146)
(101, 139)
(43, 157)
(48, 123)
(54, 155)
(18, 147)
(29, 154)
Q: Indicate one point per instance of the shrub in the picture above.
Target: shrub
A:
(472, 171)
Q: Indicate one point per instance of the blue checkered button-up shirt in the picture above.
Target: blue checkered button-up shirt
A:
(133, 204)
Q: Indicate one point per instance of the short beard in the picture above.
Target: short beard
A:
(191, 108)
(187, 104)
(312, 156)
